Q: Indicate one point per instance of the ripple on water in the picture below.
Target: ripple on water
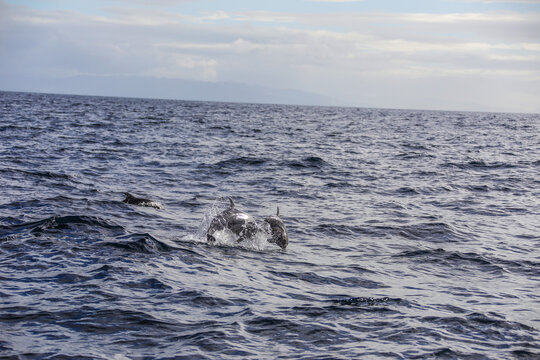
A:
(413, 234)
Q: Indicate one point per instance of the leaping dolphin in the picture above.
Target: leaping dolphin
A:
(241, 224)
(278, 230)
(244, 226)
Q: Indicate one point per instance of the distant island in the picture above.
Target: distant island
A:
(161, 88)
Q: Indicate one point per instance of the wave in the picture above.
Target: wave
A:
(436, 232)
(366, 301)
(39, 174)
(34, 203)
(482, 328)
(453, 259)
(287, 330)
(432, 232)
(411, 155)
(447, 353)
(308, 162)
(236, 163)
(202, 299)
(142, 243)
(406, 191)
(340, 185)
(242, 161)
(316, 279)
(58, 223)
(479, 165)
(230, 166)
(72, 225)
(335, 307)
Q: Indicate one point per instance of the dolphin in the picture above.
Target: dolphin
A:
(278, 230)
(130, 199)
(241, 224)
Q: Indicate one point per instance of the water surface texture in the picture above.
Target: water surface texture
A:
(412, 233)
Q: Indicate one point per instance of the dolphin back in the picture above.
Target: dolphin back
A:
(278, 230)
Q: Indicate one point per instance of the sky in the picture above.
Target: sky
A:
(471, 55)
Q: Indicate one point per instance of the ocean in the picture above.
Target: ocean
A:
(412, 234)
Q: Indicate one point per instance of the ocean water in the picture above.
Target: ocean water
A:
(412, 234)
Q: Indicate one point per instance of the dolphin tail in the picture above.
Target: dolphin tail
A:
(277, 214)
(232, 202)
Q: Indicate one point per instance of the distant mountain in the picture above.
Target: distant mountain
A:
(147, 87)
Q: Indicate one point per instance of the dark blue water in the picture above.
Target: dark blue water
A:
(412, 233)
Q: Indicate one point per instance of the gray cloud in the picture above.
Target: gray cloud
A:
(152, 2)
(502, 1)
(451, 61)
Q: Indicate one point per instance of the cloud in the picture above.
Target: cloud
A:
(371, 59)
(502, 1)
(501, 26)
(152, 2)
(335, 1)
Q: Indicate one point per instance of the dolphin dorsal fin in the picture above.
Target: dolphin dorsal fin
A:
(232, 203)
(277, 214)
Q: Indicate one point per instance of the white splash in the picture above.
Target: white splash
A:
(226, 237)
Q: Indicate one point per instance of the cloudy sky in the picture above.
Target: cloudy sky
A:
(423, 54)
